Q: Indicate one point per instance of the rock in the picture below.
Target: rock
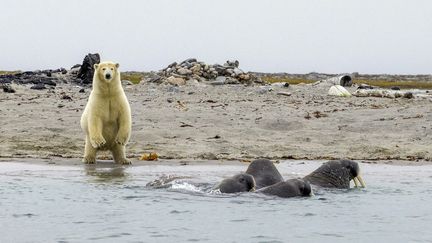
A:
(38, 86)
(172, 65)
(184, 71)
(408, 95)
(232, 63)
(155, 79)
(191, 69)
(8, 89)
(365, 86)
(237, 71)
(86, 70)
(395, 88)
(337, 90)
(196, 68)
(176, 81)
(81, 90)
(190, 60)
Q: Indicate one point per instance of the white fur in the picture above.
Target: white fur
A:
(106, 119)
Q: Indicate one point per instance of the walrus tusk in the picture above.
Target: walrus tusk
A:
(355, 182)
(360, 179)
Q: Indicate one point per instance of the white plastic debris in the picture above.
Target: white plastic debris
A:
(337, 90)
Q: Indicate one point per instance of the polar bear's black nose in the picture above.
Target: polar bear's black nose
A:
(107, 76)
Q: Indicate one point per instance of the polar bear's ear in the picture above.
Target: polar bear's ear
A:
(95, 66)
(117, 65)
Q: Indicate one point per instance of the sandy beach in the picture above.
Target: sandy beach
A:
(226, 122)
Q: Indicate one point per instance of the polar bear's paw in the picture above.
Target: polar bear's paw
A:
(97, 141)
(124, 161)
(89, 160)
(122, 140)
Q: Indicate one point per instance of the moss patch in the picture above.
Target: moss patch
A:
(135, 78)
(9, 72)
(391, 83)
(271, 80)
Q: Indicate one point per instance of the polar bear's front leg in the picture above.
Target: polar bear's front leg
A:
(124, 131)
(95, 132)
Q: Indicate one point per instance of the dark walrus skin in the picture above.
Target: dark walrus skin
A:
(239, 183)
(288, 188)
(264, 173)
(336, 174)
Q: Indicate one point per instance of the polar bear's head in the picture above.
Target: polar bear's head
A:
(106, 71)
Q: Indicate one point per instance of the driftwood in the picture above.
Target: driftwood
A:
(382, 93)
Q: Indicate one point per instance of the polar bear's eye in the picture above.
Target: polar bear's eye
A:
(112, 69)
(104, 69)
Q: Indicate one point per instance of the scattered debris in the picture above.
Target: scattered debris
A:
(342, 80)
(382, 93)
(319, 114)
(337, 90)
(283, 93)
(149, 156)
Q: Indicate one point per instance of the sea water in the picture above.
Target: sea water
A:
(108, 203)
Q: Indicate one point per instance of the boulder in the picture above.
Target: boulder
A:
(86, 70)
(176, 81)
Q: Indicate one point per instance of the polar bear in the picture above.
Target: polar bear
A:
(106, 119)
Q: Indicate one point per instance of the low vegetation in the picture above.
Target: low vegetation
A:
(271, 80)
(374, 82)
(134, 77)
(9, 72)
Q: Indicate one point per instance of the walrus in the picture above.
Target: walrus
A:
(264, 173)
(336, 174)
(288, 188)
(238, 183)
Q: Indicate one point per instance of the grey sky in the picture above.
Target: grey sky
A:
(368, 36)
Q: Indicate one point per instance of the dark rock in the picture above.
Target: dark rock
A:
(76, 66)
(155, 79)
(408, 95)
(172, 65)
(38, 86)
(190, 60)
(395, 88)
(87, 70)
(66, 97)
(81, 90)
(8, 89)
(364, 86)
(47, 82)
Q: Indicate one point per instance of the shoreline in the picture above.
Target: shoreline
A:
(74, 162)
(226, 122)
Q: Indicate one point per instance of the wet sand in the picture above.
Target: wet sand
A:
(203, 122)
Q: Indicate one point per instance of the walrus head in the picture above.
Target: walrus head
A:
(336, 174)
(239, 183)
(264, 172)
